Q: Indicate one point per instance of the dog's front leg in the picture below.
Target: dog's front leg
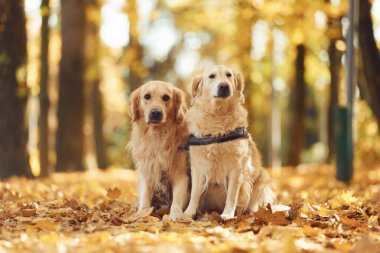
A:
(180, 197)
(197, 187)
(145, 193)
(234, 184)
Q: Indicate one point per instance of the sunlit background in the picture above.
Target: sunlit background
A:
(182, 37)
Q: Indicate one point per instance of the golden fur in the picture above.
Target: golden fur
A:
(227, 176)
(156, 147)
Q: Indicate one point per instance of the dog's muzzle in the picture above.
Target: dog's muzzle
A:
(155, 116)
(224, 90)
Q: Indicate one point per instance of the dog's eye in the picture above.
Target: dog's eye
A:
(212, 76)
(165, 97)
(147, 96)
(228, 75)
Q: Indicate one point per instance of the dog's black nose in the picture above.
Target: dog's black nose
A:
(224, 90)
(155, 116)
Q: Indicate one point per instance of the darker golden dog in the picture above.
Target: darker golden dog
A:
(159, 132)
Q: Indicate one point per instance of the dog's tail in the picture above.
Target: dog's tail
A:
(262, 191)
(262, 188)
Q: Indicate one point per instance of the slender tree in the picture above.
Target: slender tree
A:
(69, 139)
(13, 91)
(370, 58)
(297, 128)
(93, 79)
(244, 24)
(334, 32)
(134, 50)
(98, 118)
(335, 62)
(44, 97)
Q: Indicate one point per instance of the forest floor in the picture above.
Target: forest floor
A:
(94, 212)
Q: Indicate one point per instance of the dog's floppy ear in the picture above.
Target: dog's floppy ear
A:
(179, 105)
(239, 80)
(133, 105)
(196, 85)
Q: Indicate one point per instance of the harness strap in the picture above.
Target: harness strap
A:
(238, 133)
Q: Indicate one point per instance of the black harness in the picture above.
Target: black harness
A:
(238, 133)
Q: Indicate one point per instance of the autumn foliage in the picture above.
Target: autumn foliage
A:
(94, 211)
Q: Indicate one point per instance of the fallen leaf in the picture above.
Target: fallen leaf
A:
(113, 193)
(366, 245)
(72, 203)
(265, 216)
(346, 198)
(289, 245)
(351, 222)
(28, 212)
(138, 215)
(373, 220)
(376, 198)
(342, 246)
(279, 232)
(47, 225)
(295, 211)
(310, 231)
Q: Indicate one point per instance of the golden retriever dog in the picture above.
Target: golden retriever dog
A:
(226, 176)
(159, 132)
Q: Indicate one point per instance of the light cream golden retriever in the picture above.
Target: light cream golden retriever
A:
(158, 134)
(225, 176)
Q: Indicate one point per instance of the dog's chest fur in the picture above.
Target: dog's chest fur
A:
(216, 161)
(154, 153)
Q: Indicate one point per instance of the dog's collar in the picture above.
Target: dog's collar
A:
(238, 133)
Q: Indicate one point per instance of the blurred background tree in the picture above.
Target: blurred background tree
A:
(85, 57)
(13, 90)
(93, 79)
(44, 90)
(370, 60)
(70, 112)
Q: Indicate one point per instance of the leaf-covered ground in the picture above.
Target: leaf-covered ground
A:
(94, 212)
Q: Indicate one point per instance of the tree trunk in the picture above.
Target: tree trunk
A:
(13, 90)
(134, 51)
(297, 128)
(245, 23)
(69, 142)
(93, 79)
(44, 97)
(335, 62)
(97, 112)
(370, 59)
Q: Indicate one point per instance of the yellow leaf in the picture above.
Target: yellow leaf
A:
(30, 230)
(342, 246)
(348, 197)
(49, 237)
(47, 225)
(289, 245)
(310, 231)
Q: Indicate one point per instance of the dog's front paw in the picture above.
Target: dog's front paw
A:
(227, 216)
(143, 212)
(189, 213)
(175, 216)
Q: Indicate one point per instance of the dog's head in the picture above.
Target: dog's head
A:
(219, 83)
(157, 102)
